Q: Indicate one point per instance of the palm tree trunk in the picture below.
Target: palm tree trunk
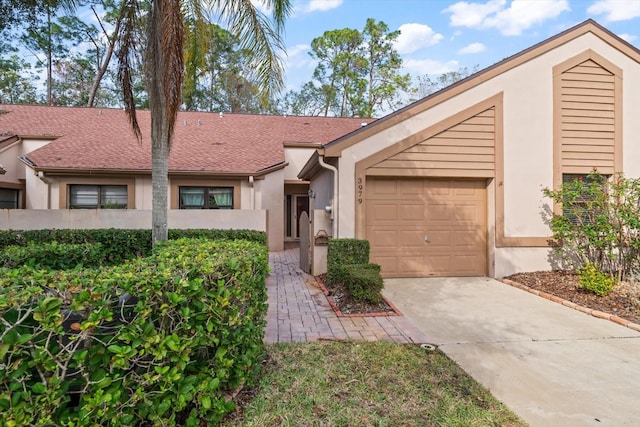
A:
(159, 184)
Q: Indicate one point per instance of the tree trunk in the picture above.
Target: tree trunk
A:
(49, 58)
(103, 69)
(159, 184)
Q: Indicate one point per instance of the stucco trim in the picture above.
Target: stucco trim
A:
(335, 148)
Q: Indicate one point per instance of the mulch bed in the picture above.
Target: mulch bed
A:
(623, 302)
(347, 306)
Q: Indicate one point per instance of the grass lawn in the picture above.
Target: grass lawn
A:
(367, 384)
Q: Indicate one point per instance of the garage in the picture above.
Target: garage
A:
(427, 227)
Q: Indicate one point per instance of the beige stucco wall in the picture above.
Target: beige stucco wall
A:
(320, 221)
(35, 219)
(13, 166)
(528, 145)
(296, 157)
(269, 194)
(266, 195)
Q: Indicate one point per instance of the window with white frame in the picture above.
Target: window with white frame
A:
(206, 197)
(98, 196)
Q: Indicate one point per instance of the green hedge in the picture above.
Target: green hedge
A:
(348, 263)
(54, 255)
(154, 341)
(119, 244)
(345, 251)
(363, 281)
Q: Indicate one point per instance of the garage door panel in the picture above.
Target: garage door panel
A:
(382, 189)
(382, 212)
(410, 265)
(438, 265)
(384, 239)
(468, 239)
(410, 239)
(437, 240)
(452, 213)
(410, 188)
(411, 212)
(468, 264)
(390, 263)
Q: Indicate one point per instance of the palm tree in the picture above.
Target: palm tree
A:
(163, 64)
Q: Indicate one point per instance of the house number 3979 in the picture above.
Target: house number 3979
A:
(360, 190)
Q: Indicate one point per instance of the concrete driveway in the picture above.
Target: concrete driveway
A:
(552, 365)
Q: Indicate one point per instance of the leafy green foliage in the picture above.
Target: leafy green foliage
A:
(155, 341)
(599, 224)
(357, 74)
(595, 281)
(363, 281)
(348, 263)
(54, 255)
(119, 244)
(345, 251)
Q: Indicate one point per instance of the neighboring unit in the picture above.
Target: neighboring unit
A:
(83, 168)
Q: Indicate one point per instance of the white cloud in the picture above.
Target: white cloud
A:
(414, 37)
(429, 66)
(627, 37)
(298, 66)
(322, 5)
(472, 15)
(298, 56)
(615, 10)
(472, 48)
(510, 19)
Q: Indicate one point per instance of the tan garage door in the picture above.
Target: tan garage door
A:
(427, 227)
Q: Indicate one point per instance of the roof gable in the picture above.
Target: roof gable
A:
(334, 148)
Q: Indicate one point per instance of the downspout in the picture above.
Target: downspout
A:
(47, 181)
(334, 201)
(252, 193)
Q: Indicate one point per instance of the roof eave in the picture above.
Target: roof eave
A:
(312, 167)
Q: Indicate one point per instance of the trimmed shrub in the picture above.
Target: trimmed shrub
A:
(348, 263)
(155, 341)
(595, 281)
(120, 244)
(363, 281)
(54, 255)
(345, 251)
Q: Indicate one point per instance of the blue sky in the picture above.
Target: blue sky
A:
(443, 35)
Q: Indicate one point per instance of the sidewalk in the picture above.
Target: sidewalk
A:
(299, 311)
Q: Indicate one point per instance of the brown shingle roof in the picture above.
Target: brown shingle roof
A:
(101, 139)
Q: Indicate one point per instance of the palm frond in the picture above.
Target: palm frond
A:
(126, 51)
(259, 35)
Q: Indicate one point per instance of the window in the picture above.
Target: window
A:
(206, 198)
(9, 198)
(98, 197)
(585, 192)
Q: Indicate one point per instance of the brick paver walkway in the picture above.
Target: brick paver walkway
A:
(299, 311)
